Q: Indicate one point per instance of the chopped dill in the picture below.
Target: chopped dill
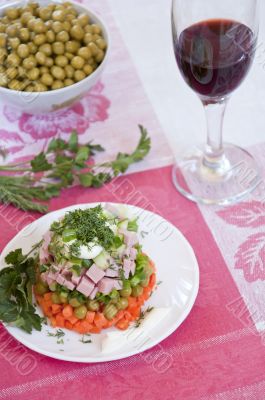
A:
(88, 224)
(142, 316)
(58, 334)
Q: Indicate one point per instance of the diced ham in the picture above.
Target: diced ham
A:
(130, 238)
(44, 254)
(76, 279)
(44, 276)
(93, 293)
(53, 275)
(113, 271)
(133, 253)
(49, 281)
(133, 266)
(117, 284)
(69, 285)
(47, 238)
(127, 267)
(85, 286)
(60, 279)
(106, 285)
(95, 273)
(56, 268)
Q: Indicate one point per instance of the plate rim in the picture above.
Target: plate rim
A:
(111, 357)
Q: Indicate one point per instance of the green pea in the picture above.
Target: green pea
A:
(41, 288)
(53, 286)
(135, 281)
(148, 270)
(80, 312)
(74, 302)
(126, 290)
(137, 291)
(122, 303)
(93, 305)
(64, 297)
(114, 295)
(56, 298)
(110, 311)
(145, 282)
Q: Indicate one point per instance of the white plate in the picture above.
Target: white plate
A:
(177, 268)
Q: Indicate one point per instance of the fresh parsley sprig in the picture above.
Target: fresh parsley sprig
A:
(30, 184)
(16, 281)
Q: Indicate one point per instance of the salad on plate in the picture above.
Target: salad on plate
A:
(91, 272)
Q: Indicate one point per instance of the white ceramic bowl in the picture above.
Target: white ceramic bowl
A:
(44, 102)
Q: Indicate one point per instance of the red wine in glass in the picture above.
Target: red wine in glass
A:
(214, 56)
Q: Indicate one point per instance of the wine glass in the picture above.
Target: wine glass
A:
(214, 44)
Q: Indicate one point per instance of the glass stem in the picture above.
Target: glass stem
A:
(214, 152)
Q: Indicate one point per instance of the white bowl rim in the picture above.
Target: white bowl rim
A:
(94, 16)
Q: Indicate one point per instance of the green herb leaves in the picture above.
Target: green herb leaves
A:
(16, 291)
(62, 164)
(88, 224)
(59, 334)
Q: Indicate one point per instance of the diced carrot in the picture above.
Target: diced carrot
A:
(60, 320)
(134, 311)
(95, 329)
(114, 320)
(80, 329)
(128, 316)
(86, 326)
(77, 326)
(47, 310)
(67, 311)
(108, 324)
(56, 308)
(90, 316)
(147, 292)
(100, 321)
(119, 315)
(132, 301)
(53, 322)
(152, 281)
(68, 325)
(72, 319)
(122, 324)
(47, 296)
(140, 300)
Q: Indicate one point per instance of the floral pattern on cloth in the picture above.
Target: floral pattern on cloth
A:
(35, 128)
(79, 116)
(250, 256)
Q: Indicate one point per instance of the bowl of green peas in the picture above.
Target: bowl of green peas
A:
(51, 53)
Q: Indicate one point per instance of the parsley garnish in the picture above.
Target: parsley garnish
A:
(16, 281)
(62, 164)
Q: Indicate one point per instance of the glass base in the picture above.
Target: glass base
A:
(226, 182)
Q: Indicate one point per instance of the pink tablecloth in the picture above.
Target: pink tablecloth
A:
(218, 352)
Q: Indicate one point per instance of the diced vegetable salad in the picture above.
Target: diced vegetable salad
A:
(92, 272)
